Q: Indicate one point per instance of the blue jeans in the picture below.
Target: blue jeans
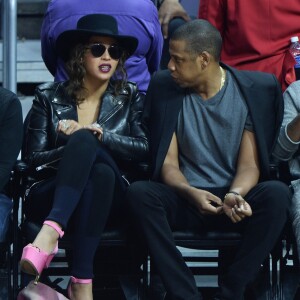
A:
(295, 212)
(6, 205)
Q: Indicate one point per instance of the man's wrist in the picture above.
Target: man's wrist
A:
(161, 1)
(231, 192)
(158, 3)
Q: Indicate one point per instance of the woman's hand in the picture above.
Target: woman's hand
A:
(68, 126)
(96, 129)
(236, 208)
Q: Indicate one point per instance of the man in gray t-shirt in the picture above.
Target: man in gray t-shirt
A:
(211, 130)
(216, 165)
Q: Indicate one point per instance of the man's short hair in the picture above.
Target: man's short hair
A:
(200, 35)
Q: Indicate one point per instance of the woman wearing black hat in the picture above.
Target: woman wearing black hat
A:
(83, 142)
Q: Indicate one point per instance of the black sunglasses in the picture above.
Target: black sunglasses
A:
(114, 51)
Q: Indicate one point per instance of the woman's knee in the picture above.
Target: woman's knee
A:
(82, 146)
(82, 137)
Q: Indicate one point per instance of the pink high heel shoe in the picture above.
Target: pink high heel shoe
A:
(76, 280)
(34, 260)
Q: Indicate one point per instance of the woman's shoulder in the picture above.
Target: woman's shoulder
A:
(131, 86)
(50, 86)
(122, 89)
(51, 90)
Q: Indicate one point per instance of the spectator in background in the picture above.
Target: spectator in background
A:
(138, 18)
(11, 131)
(287, 149)
(171, 16)
(167, 11)
(256, 34)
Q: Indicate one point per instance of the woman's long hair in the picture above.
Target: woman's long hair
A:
(76, 71)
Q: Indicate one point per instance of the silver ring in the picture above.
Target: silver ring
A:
(65, 124)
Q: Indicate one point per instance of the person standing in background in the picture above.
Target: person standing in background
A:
(256, 34)
(167, 11)
(171, 15)
(138, 18)
(287, 149)
(11, 130)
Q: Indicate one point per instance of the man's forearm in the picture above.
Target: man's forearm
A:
(245, 180)
(174, 178)
(293, 129)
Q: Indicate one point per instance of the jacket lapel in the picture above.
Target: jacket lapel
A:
(111, 105)
(172, 106)
(62, 105)
(257, 111)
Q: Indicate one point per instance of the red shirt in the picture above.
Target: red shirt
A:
(256, 33)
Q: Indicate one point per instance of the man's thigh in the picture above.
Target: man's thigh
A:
(270, 194)
(180, 214)
(159, 199)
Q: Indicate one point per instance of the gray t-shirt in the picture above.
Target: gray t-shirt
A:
(209, 134)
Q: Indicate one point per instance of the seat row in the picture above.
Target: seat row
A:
(22, 231)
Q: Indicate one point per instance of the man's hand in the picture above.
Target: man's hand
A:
(236, 208)
(168, 10)
(207, 203)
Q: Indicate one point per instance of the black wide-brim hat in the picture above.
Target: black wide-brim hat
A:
(93, 25)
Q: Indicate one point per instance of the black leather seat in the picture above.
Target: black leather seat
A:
(206, 240)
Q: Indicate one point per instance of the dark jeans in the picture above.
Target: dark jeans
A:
(157, 210)
(6, 205)
(86, 191)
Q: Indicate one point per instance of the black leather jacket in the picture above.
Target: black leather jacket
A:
(119, 117)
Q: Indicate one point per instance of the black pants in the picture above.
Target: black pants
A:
(87, 189)
(157, 210)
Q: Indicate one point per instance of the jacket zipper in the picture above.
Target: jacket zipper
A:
(27, 191)
(41, 167)
(112, 113)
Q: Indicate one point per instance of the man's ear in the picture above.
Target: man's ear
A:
(204, 59)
